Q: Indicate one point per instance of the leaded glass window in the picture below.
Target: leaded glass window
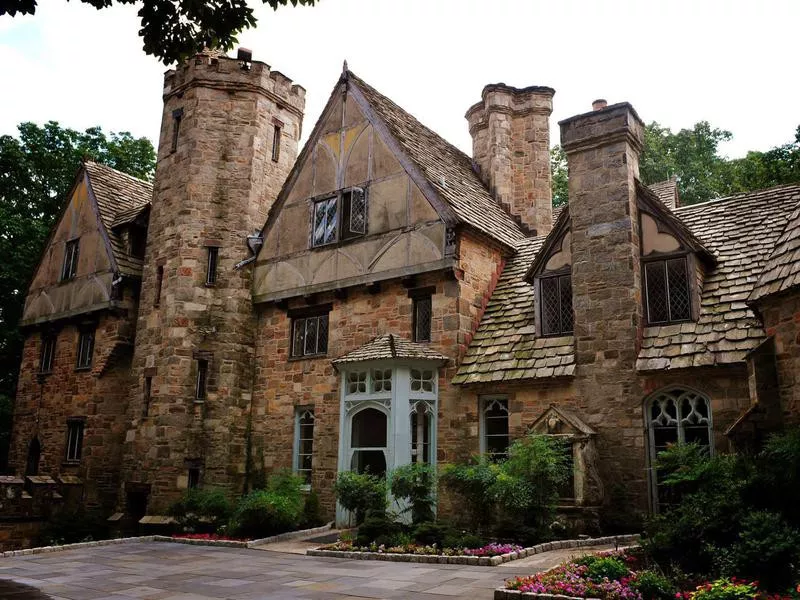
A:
(422, 380)
(74, 440)
(556, 305)
(325, 221)
(676, 416)
(667, 290)
(423, 314)
(356, 382)
(494, 428)
(304, 443)
(70, 266)
(382, 380)
(310, 335)
(341, 217)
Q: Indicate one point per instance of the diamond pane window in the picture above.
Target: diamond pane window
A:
(357, 382)
(358, 211)
(310, 336)
(421, 380)
(382, 380)
(494, 421)
(667, 289)
(325, 221)
(423, 313)
(556, 305)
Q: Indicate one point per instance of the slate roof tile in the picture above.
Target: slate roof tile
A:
(391, 347)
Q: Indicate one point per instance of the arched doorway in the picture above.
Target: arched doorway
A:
(368, 437)
(674, 416)
(34, 454)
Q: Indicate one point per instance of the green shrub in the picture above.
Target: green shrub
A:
(653, 586)
(606, 567)
(725, 589)
(202, 510)
(72, 526)
(360, 492)
(472, 491)
(429, 533)
(776, 486)
(768, 550)
(377, 527)
(414, 483)
(312, 511)
(276, 509)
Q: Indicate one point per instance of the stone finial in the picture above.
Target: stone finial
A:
(344, 66)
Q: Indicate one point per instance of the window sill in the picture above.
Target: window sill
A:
(87, 368)
(71, 463)
(209, 285)
(306, 357)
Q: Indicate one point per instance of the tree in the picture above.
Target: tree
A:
(558, 167)
(174, 29)
(37, 171)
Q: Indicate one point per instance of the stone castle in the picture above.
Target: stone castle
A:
(380, 298)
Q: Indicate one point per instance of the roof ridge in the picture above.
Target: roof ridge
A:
(738, 196)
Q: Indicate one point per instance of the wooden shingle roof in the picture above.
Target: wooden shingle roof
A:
(447, 168)
(782, 270)
(391, 347)
(118, 193)
(741, 232)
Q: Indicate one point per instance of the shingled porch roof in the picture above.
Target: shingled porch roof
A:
(390, 347)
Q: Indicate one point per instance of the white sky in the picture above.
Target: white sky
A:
(731, 62)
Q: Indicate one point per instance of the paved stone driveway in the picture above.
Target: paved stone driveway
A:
(164, 571)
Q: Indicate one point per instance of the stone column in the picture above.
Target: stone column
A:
(603, 149)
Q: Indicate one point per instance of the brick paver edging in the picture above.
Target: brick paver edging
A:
(44, 549)
(482, 561)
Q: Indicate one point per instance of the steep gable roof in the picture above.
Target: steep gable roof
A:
(118, 194)
(448, 170)
(782, 269)
(667, 192)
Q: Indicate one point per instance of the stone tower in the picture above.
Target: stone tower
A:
(510, 129)
(229, 137)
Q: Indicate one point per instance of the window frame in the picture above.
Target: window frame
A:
(688, 264)
(47, 351)
(419, 302)
(297, 454)
(69, 267)
(74, 451)
(201, 380)
(344, 208)
(558, 276)
(177, 117)
(484, 403)
(276, 141)
(304, 317)
(83, 362)
(212, 265)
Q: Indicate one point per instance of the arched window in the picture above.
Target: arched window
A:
(675, 416)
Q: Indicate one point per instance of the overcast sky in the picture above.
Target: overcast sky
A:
(731, 62)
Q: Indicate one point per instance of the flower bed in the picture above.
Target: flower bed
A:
(490, 555)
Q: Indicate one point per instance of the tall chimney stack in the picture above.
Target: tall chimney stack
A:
(510, 131)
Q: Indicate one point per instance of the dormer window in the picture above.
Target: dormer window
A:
(666, 268)
(554, 290)
(340, 217)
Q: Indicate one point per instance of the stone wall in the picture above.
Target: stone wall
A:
(781, 315)
(97, 395)
(283, 383)
(215, 181)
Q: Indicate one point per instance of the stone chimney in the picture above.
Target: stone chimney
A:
(511, 148)
(602, 149)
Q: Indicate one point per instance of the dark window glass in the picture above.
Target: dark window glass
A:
(194, 477)
(341, 217)
(159, 285)
(70, 266)
(305, 443)
(326, 219)
(137, 240)
(368, 441)
(148, 390)
(85, 348)
(177, 117)
(423, 314)
(47, 354)
(276, 143)
(310, 335)
(202, 380)
(74, 440)
(211, 266)
(667, 289)
(495, 428)
(556, 305)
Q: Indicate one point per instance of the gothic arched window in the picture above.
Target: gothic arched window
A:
(675, 416)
